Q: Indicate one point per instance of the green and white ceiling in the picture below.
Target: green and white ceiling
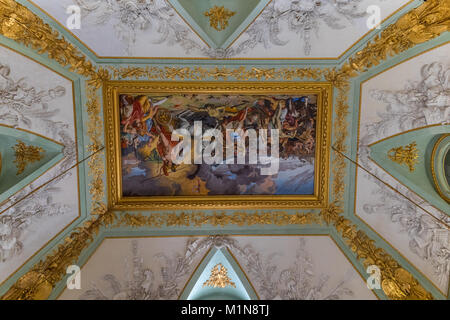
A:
(403, 99)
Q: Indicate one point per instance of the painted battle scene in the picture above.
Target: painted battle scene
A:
(147, 123)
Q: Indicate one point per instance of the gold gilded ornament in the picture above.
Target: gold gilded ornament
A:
(25, 155)
(218, 17)
(407, 155)
(216, 219)
(223, 73)
(31, 286)
(397, 283)
(219, 278)
(403, 287)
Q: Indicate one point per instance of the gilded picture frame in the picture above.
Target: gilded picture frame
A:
(111, 92)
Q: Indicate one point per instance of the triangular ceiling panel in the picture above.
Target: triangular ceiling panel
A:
(392, 155)
(218, 277)
(25, 156)
(240, 14)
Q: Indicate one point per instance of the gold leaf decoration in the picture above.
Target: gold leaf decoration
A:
(20, 24)
(397, 283)
(35, 283)
(407, 155)
(219, 278)
(95, 132)
(25, 155)
(216, 73)
(426, 22)
(216, 219)
(218, 17)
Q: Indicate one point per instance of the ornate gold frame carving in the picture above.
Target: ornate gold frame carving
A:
(433, 172)
(111, 91)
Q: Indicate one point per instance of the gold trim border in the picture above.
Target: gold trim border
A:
(112, 90)
(433, 173)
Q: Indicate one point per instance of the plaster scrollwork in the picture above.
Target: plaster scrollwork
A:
(298, 282)
(420, 103)
(133, 16)
(142, 283)
(300, 17)
(25, 106)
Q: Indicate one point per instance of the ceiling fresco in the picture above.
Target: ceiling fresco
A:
(300, 180)
(86, 121)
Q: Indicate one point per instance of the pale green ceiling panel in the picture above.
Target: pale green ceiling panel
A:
(420, 179)
(193, 12)
(11, 180)
(196, 290)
